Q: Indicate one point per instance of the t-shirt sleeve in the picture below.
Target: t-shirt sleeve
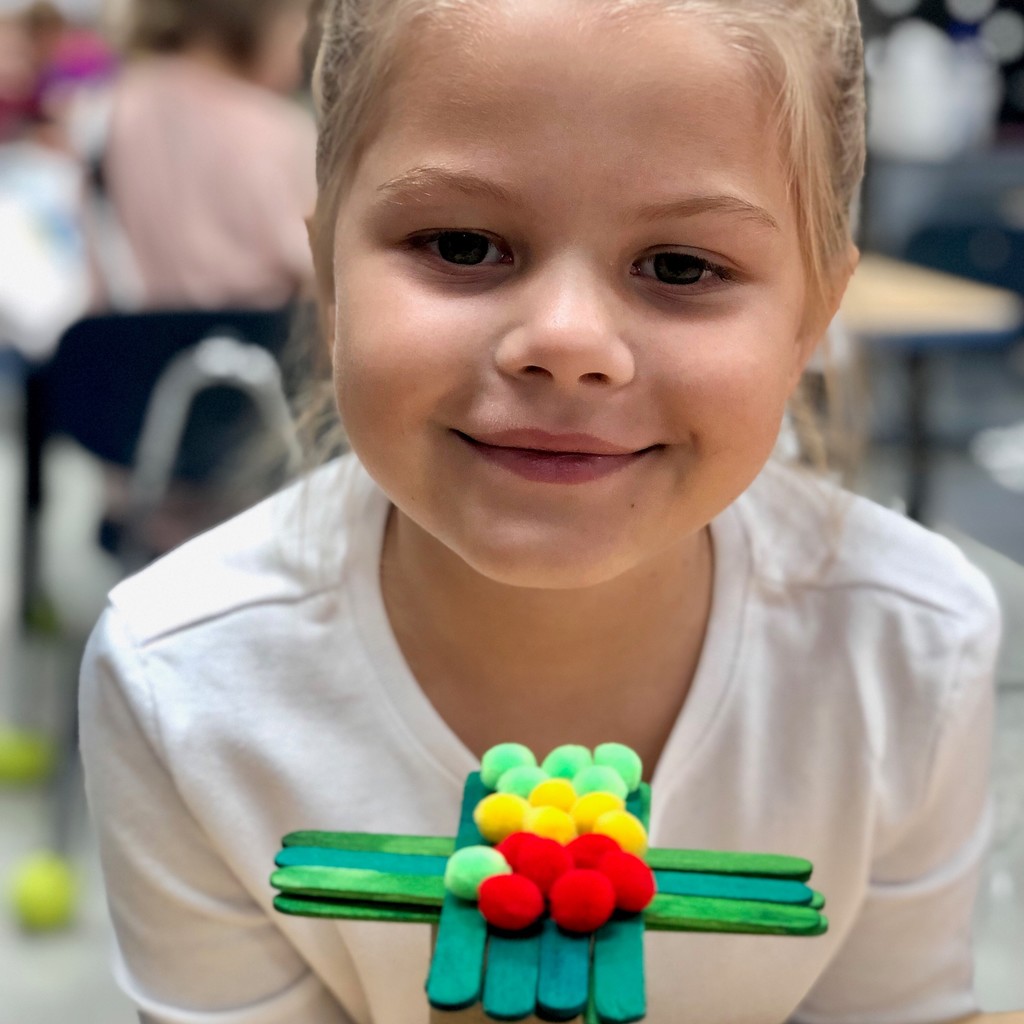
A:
(192, 945)
(908, 959)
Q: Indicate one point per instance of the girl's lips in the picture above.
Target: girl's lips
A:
(555, 465)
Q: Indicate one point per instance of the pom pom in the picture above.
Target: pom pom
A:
(600, 779)
(500, 758)
(567, 761)
(468, 867)
(589, 808)
(512, 847)
(628, 831)
(582, 900)
(499, 815)
(543, 862)
(511, 902)
(521, 780)
(631, 878)
(551, 823)
(553, 793)
(622, 759)
(588, 850)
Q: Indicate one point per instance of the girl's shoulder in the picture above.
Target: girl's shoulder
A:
(806, 532)
(292, 546)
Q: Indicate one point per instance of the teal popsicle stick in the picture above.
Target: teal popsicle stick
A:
(563, 986)
(456, 970)
(619, 993)
(733, 887)
(513, 966)
(392, 863)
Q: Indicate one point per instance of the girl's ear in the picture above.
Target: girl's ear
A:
(324, 271)
(818, 318)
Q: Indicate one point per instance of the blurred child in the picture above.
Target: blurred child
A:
(574, 256)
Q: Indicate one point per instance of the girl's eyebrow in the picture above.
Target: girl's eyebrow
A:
(417, 184)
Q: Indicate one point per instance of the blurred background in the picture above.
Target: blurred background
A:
(155, 167)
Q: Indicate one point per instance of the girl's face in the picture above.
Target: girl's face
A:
(570, 302)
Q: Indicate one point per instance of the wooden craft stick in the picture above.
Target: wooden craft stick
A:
(309, 906)
(700, 914)
(733, 887)
(563, 985)
(457, 967)
(375, 842)
(767, 865)
(617, 986)
(394, 863)
(619, 991)
(355, 883)
(510, 982)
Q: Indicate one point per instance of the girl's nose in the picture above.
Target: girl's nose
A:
(567, 336)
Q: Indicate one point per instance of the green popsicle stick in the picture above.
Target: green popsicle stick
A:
(309, 906)
(766, 865)
(374, 842)
(701, 914)
(356, 883)
(457, 967)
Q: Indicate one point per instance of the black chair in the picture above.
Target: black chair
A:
(168, 396)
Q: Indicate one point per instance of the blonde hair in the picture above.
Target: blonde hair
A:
(807, 55)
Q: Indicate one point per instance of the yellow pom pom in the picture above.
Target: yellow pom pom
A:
(553, 793)
(590, 807)
(551, 823)
(626, 829)
(499, 815)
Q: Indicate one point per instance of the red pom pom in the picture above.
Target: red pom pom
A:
(510, 902)
(512, 847)
(543, 862)
(631, 878)
(588, 849)
(582, 900)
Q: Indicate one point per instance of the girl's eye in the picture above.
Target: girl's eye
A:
(679, 268)
(464, 248)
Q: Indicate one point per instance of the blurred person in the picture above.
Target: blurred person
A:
(16, 77)
(208, 164)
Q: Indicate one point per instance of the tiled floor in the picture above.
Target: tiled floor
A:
(64, 977)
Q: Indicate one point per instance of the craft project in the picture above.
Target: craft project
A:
(543, 896)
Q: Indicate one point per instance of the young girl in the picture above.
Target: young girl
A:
(573, 256)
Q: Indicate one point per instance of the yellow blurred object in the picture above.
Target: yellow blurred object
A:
(25, 757)
(44, 893)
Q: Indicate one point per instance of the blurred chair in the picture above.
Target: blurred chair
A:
(986, 251)
(169, 397)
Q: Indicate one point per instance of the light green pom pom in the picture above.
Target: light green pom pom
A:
(625, 760)
(499, 759)
(522, 780)
(600, 779)
(472, 865)
(566, 762)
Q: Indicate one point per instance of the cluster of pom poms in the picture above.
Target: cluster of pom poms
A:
(565, 843)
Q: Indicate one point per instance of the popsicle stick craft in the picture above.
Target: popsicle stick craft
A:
(542, 898)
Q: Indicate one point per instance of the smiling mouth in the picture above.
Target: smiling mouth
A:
(553, 459)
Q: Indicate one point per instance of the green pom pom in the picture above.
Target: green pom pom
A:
(624, 760)
(499, 759)
(566, 762)
(522, 780)
(472, 865)
(600, 779)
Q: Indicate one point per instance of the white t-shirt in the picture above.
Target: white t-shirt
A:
(249, 685)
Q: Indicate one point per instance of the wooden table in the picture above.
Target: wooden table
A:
(917, 313)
